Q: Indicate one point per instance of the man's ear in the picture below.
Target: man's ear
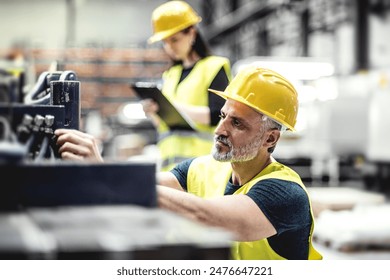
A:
(272, 138)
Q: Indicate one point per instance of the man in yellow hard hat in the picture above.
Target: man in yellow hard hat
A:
(240, 186)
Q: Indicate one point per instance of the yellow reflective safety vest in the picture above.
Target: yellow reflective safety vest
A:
(208, 178)
(178, 145)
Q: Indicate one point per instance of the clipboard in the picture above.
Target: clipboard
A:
(175, 119)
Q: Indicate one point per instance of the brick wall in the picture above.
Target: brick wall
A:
(104, 73)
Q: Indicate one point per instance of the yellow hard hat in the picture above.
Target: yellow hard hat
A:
(170, 18)
(265, 91)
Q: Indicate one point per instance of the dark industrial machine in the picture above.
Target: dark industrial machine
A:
(27, 127)
(32, 172)
(56, 209)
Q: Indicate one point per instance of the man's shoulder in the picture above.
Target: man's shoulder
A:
(277, 183)
(284, 191)
(277, 170)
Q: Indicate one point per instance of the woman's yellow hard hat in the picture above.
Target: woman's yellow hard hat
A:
(170, 18)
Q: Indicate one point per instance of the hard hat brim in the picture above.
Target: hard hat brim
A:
(165, 34)
(218, 92)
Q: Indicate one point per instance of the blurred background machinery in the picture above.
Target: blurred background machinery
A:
(335, 52)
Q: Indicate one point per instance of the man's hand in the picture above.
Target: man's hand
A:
(77, 145)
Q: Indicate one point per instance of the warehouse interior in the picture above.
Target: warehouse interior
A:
(336, 53)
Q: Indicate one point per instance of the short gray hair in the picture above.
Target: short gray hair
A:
(270, 123)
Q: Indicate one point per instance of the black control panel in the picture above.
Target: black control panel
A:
(27, 127)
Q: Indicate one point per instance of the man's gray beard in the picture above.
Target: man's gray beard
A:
(240, 154)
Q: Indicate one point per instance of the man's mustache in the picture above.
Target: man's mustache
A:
(223, 139)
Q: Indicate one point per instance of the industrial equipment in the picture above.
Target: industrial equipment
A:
(55, 209)
(32, 172)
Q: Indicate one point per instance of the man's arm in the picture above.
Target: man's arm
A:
(238, 214)
(167, 179)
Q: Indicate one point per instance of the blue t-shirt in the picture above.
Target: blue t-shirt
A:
(284, 203)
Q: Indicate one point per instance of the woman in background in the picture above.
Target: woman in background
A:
(193, 71)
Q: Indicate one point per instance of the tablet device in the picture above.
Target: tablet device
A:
(167, 111)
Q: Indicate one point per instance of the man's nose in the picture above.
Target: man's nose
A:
(221, 128)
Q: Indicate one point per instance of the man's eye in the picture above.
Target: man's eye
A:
(236, 122)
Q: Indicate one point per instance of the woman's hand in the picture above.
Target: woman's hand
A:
(149, 106)
(76, 145)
